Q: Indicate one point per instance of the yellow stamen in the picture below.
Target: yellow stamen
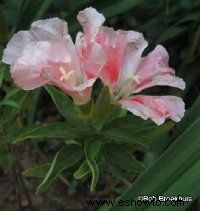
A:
(65, 75)
(136, 79)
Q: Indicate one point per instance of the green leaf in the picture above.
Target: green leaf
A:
(63, 103)
(151, 136)
(102, 105)
(191, 17)
(43, 8)
(187, 183)
(120, 156)
(176, 172)
(189, 3)
(10, 113)
(11, 103)
(171, 32)
(120, 7)
(35, 96)
(3, 27)
(130, 123)
(38, 171)
(2, 146)
(65, 158)
(85, 111)
(191, 115)
(11, 93)
(53, 130)
(2, 70)
(31, 11)
(104, 110)
(143, 136)
(82, 171)
(11, 11)
(92, 149)
(6, 161)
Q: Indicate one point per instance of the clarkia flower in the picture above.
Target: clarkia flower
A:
(127, 72)
(46, 55)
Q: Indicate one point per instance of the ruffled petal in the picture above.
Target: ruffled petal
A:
(41, 53)
(52, 56)
(113, 47)
(94, 60)
(80, 43)
(15, 47)
(123, 51)
(54, 62)
(91, 56)
(154, 70)
(27, 77)
(157, 108)
(41, 30)
(91, 21)
(48, 29)
(26, 72)
(134, 46)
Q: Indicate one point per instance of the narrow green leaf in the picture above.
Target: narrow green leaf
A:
(120, 156)
(82, 171)
(130, 123)
(195, 42)
(43, 8)
(92, 149)
(35, 95)
(38, 171)
(64, 105)
(11, 93)
(10, 113)
(175, 172)
(85, 111)
(11, 11)
(32, 10)
(190, 17)
(189, 3)
(191, 115)
(104, 110)
(171, 32)
(2, 146)
(151, 136)
(3, 27)
(6, 161)
(102, 105)
(53, 130)
(187, 183)
(120, 7)
(143, 137)
(2, 70)
(65, 158)
(11, 103)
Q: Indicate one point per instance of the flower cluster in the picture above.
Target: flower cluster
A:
(46, 54)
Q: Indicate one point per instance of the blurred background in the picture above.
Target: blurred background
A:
(174, 24)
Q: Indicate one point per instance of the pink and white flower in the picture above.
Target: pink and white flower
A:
(127, 73)
(46, 55)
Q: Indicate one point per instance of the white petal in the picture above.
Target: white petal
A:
(154, 70)
(48, 29)
(132, 54)
(91, 21)
(15, 47)
(157, 108)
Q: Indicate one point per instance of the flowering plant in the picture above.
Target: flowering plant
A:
(98, 126)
